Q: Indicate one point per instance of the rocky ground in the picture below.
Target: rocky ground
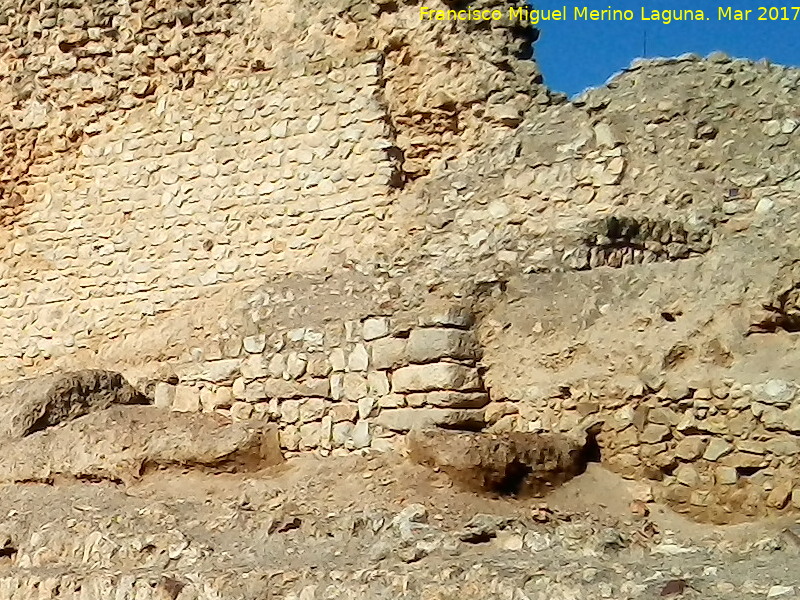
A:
(374, 526)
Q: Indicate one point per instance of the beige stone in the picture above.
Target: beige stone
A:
(435, 376)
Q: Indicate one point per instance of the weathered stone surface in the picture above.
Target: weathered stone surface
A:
(406, 419)
(388, 352)
(36, 404)
(435, 376)
(122, 441)
(448, 399)
(691, 447)
(511, 463)
(433, 343)
(375, 328)
(280, 388)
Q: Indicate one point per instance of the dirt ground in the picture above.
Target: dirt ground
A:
(376, 526)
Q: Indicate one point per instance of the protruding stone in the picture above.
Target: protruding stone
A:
(255, 344)
(187, 399)
(164, 395)
(717, 448)
(431, 344)
(358, 359)
(690, 448)
(337, 359)
(388, 353)
(375, 328)
(435, 376)
(406, 419)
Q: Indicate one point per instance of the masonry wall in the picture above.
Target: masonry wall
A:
(203, 188)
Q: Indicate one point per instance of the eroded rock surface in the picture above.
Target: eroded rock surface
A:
(35, 404)
(513, 463)
(122, 442)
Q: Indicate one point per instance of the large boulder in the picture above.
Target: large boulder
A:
(122, 442)
(34, 404)
(512, 463)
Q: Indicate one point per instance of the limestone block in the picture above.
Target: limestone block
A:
(337, 386)
(326, 433)
(454, 316)
(312, 409)
(392, 401)
(449, 399)
(717, 448)
(238, 388)
(341, 433)
(431, 344)
(691, 447)
(687, 475)
(290, 411)
(406, 419)
(318, 366)
(416, 400)
(654, 433)
(367, 407)
(254, 392)
(345, 411)
(337, 359)
(358, 359)
(187, 399)
(725, 475)
(435, 376)
(354, 386)
(375, 328)
(164, 394)
(281, 388)
(361, 435)
(296, 365)
(780, 495)
(289, 437)
(220, 370)
(309, 435)
(277, 365)
(241, 411)
(255, 344)
(253, 367)
(388, 353)
(223, 397)
(378, 383)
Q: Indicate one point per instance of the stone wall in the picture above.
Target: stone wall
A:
(352, 385)
(264, 208)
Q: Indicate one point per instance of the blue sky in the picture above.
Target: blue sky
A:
(574, 55)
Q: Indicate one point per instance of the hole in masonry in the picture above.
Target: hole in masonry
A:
(668, 316)
(591, 451)
(747, 471)
(513, 479)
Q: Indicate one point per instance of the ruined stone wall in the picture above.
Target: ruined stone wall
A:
(268, 209)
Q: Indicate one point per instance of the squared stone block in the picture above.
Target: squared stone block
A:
(434, 343)
(436, 376)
